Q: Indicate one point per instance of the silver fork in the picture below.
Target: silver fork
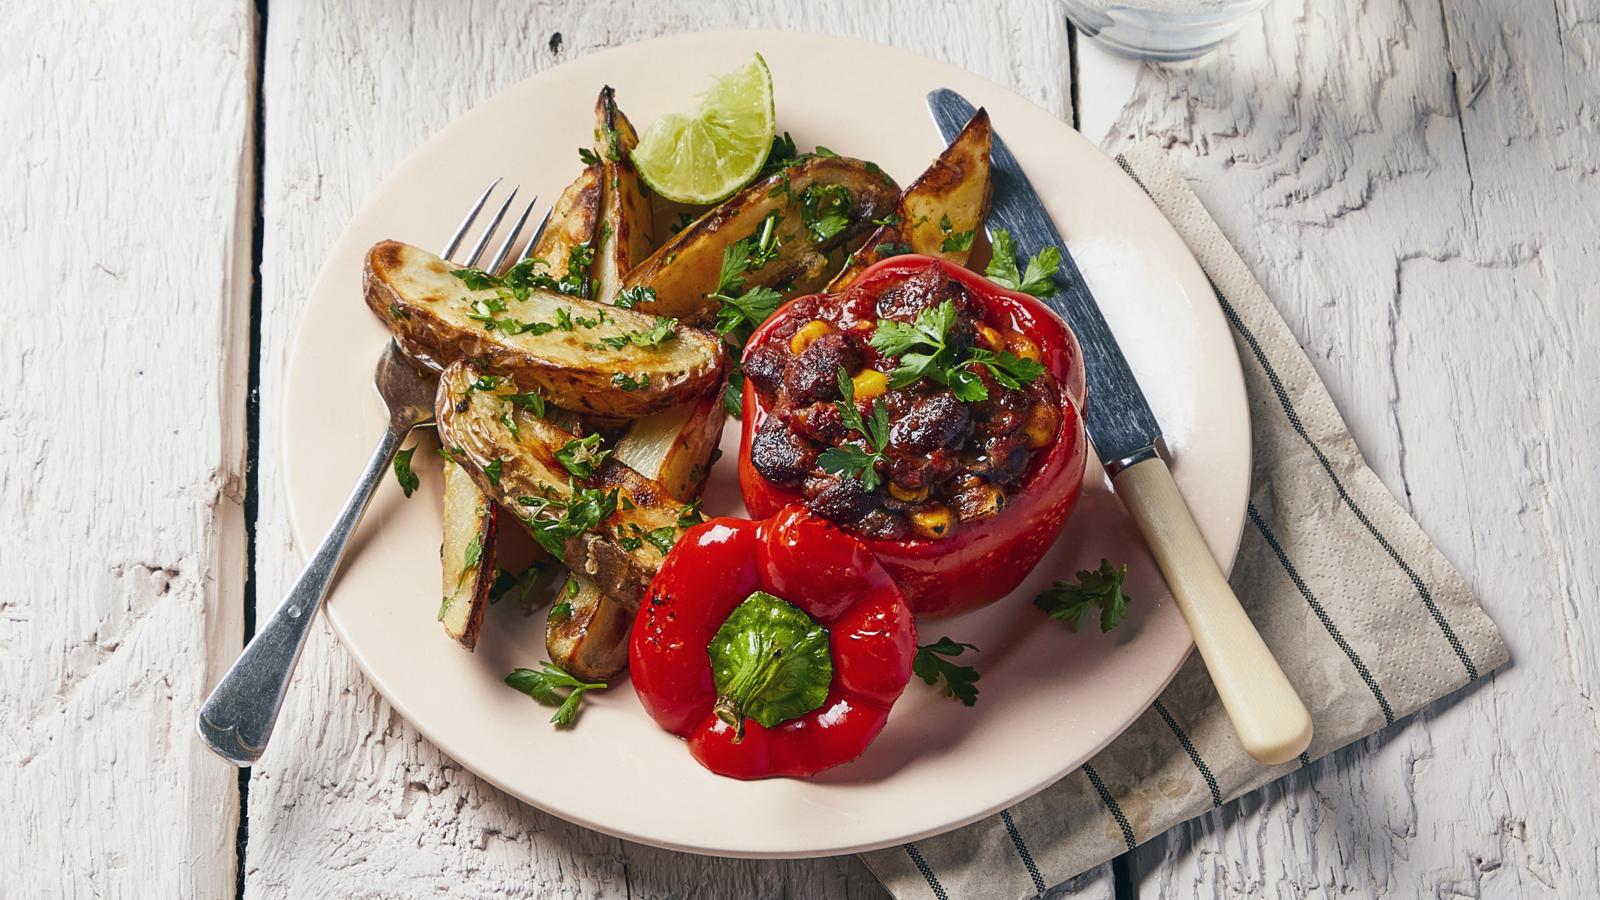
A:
(237, 719)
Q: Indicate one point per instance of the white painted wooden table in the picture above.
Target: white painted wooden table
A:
(1417, 185)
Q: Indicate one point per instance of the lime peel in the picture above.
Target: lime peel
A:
(703, 157)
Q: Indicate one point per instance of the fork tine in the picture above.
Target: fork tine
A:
(461, 230)
(499, 214)
(537, 234)
(511, 239)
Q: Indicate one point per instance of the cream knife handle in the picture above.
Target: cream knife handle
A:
(1272, 723)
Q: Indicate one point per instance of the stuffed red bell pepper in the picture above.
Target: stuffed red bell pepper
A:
(928, 411)
(775, 647)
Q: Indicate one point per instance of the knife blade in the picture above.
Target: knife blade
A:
(1118, 418)
(1271, 720)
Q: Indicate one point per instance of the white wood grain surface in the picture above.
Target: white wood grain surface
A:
(125, 214)
(1414, 183)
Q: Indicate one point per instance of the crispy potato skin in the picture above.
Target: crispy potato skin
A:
(685, 269)
(592, 643)
(955, 188)
(425, 308)
(472, 423)
(626, 226)
(468, 514)
(574, 220)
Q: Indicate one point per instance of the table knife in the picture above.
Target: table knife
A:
(1271, 720)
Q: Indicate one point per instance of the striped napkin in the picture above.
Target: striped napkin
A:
(1370, 622)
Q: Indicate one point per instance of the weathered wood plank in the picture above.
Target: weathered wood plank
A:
(1415, 186)
(128, 184)
(351, 801)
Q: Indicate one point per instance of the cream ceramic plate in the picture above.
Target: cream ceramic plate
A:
(1049, 699)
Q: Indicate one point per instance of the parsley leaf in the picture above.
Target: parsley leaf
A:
(960, 242)
(1002, 269)
(664, 330)
(851, 460)
(583, 511)
(402, 470)
(562, 611)
(662, 538)
(472, 557)
(508, 584)
(532, 401)
(545, 685)
(782, 153)
(822, 209)
(733, 394)
(492, 471)
(629, 383)
(930, 664)
(588, 157)
(1096, 589)
(628, 298)
(582, 457)
(739, 317)
(924, 350)
(689, 515)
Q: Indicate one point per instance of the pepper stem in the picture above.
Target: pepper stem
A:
(747, 683)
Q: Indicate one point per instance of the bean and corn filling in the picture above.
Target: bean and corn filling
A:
(898, 410)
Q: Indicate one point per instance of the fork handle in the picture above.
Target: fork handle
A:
(1272, 722)
(237, 718)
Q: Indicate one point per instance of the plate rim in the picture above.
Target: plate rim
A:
(326, 275)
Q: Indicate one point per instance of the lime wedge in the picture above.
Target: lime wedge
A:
(704, 156)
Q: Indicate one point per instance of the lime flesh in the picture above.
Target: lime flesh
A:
(704, 156)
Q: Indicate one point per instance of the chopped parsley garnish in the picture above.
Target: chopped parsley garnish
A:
(764, 243)
(545, 685)
(689, 514)
(924, 350)
(628, 298)
(508, 584)
(532, 401)
(553, 521)
(822, 209)
(958, 242)
(890, 219)
(742, 311)
(588, 157)
(664, 330)
(733, 392)
(930, 664)
(562, 611)
(887, 249)
(629, 383)
(583, 456)
(783, 153)
(1097, 589)
(662, 538)
(485, 383)
(471, 558)
(492, 471)
(402, 470)
(853, 460)
(1036, 280)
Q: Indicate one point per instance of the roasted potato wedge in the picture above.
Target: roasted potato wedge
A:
(467, 555)
(685, 269)
(432, 314)
(941, 212)
(588, 636)
(511, 454)
(674, 447)
(574, 221)
(624, 238)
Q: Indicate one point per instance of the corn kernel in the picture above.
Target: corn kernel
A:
(989, 339)
(908, 495)
(1040, 429)
(1022, 346)
(869, 383)
(932, 520)
(808, 332)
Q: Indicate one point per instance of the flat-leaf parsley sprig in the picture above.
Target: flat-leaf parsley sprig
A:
(1097, 589)
(1036, 280)
(854, 460)
(925, 350)
(545, 685)
(930, 664)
